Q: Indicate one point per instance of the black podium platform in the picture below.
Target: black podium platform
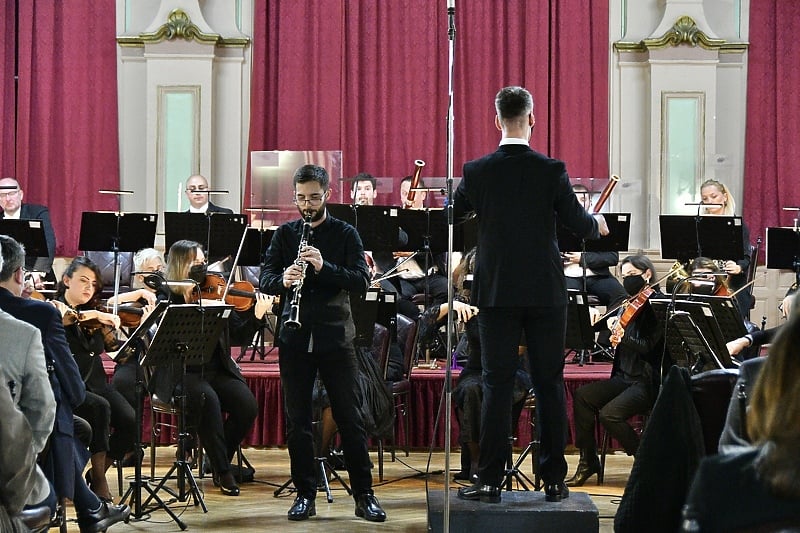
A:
(518, 511)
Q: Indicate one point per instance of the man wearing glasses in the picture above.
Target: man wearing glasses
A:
(334, 266)
(197, 191)
(11, 195)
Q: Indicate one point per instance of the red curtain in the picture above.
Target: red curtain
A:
(771, 166)
(67, 142)
(7, 92)
(370, 78)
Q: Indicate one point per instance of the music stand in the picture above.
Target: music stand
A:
(783, 250)
(726, 311)
(693, 336)
(684, 237)
(29, 233)
(137, 342)
(364, 307)
(187, 335)
(378, 227)
(218, 233)
(117, 232)
(255, 245)
(579, 336)
(345, 212)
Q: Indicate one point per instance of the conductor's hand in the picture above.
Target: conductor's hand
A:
(313, 257)
(602, 225)
(263, 303)
(464, 311)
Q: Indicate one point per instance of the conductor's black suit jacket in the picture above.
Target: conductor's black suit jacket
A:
(517, 194)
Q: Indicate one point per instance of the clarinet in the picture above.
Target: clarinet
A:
(293, 322)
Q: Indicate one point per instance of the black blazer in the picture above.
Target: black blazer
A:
(68, 388)
(517, 194)
(212, 208)
(39, 212)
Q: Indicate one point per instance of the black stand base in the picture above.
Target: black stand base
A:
(323, 469)
(517, 511)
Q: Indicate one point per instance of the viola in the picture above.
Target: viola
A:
(631, 310)
(241, 294)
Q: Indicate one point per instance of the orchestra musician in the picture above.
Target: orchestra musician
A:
(197, 193)
(213, 387)
(91, 332)
(635, 375)
(320, 259)
(707, 281)
(715, 192)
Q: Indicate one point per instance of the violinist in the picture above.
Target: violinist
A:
(635, 376)
(715, 192)
(90, 333)
(213, 387)
(708, 281)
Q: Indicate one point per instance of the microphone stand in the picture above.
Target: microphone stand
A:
(448, 385)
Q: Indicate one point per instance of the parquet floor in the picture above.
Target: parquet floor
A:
(402, 494)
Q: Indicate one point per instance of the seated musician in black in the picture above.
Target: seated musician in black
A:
(213, 387)
(635, 376)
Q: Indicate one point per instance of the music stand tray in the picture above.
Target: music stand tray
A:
(783, 248)
(579, 328)
(130, 232)
(345, 212)
(726, 311)
(686, 237)
(188, 335)
(256, 243)
(29, 233)
(619, 225)
(378, 227)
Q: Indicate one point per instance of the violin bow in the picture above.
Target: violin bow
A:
(235, 264)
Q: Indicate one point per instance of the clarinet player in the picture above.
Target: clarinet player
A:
(323, 265)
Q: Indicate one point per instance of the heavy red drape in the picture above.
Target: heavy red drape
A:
(8, 110)
(370, 78)
(67, 142)
(771, 166)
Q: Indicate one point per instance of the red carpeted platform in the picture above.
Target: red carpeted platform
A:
(426, 393)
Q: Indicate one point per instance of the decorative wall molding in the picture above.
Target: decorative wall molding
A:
(180, 26)
(684, 32)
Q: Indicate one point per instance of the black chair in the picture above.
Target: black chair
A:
(639, 422)
(105, 261)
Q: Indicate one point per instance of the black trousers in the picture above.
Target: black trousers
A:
(96, 411)
(614, 401)
(501, 330)
(207, 396)
(338, 371)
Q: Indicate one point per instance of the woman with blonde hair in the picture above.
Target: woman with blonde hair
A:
(758, 488)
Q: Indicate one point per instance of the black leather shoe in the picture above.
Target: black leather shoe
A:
(107, 515)
(35, 518)
(555, 492)
(302, 509)
(583, 473)
(484, 493)
(227, 485)
(368, 508)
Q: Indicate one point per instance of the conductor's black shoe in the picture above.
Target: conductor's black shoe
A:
(484, 493)
(302, 509)
(226, 483)
(368, 508)
(107, 515)
(555, 492)
(462, 475)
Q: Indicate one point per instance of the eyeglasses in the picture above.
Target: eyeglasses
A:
(9, 194)
(314, 201)
(199, 188)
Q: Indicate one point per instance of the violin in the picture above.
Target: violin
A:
(241, 294)
(631, 310)
(130, 314)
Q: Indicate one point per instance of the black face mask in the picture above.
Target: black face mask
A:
(633, 284)
(198, 273)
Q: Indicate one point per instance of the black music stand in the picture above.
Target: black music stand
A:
(134, 347)
(616, 241)
(218, 233)
(364, 307)
(783, 250)
(117, 232)
(726, 311)
(187, 335)
(693, 337)
(580, 336)
(345, 212)
(255, 245)
(378, 226)
(29, 233)
(685, 237)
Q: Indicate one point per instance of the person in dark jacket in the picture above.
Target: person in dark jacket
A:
(324, 269)
(635, 376)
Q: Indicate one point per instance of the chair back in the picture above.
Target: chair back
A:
(751, 270)
(711, 393)
(380, 347)
(407, 339)
(105, 261)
